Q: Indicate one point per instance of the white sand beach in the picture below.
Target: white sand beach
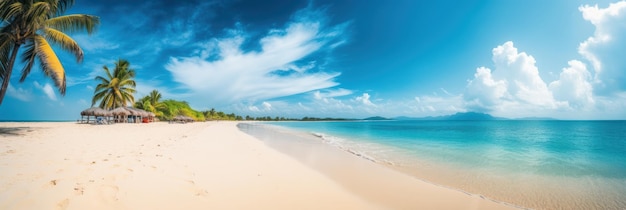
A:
(208, 165)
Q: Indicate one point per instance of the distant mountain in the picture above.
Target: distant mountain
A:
(376, 118)
(457, 116)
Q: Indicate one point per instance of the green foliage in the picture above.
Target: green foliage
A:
(116, 88)
(152, 103)
(172, 108)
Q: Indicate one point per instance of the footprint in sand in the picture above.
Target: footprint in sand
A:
(196, 190)
(63, 204)
(79, 190)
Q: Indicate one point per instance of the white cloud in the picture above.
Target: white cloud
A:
(254, 108)
(483, 93)
(267, 106)
(365, 99)
(19, 93)
(513, 87)
(330, 93)
(607, 47)
(573, 86)
(270, 72)
(94, 43)
(47, 89)
(436, 105)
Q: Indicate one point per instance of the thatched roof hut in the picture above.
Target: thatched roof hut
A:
(95, 111)
(183, 118)
(119, 114)
(138, 112)
(121, 111)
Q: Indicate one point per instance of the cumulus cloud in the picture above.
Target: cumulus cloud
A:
(365, 99)
(274, 70)
(605, 49)
(515, 82)
(47, 89)
(574, 86)
(483, 92)
(515, 87)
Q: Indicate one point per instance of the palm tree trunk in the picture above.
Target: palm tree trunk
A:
(7, 76)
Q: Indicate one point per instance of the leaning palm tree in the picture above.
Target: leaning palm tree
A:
(33, 24)
(116, 88)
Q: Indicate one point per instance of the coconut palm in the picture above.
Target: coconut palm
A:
(35, 24)
(115, 89)
(152, 103)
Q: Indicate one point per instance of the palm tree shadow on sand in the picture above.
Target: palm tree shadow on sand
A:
(15, 131)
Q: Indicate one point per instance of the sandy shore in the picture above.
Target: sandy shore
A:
(191, 166)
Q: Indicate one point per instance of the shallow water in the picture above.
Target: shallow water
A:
(535, 164)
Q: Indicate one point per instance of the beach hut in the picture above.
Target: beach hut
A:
(120, 114)
(138, 115)
(93, 111)
(130, 114)
(182, 119)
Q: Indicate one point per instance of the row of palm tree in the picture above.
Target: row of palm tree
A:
(34, 24)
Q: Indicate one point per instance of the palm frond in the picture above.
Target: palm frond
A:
(10, 9)
(66, 42)
(96, 97)
(36, 16)
(50, 63)
(108, 72)
(102, 79)
(6, 44)
(28, 58)
(74, 23)
(59, 6)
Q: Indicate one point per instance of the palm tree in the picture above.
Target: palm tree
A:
(33, 24)
(152, 103)
(116, 89)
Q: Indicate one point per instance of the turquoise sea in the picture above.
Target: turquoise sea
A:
(533, 164)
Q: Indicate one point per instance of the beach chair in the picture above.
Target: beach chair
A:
(101, 121)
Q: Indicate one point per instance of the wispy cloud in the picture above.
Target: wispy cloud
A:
(273, 70)
(18, 93)
(47, 90)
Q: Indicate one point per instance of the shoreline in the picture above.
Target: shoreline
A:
(517, 190)
(191, 166)
(395, 188)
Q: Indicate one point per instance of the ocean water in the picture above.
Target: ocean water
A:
(532, 164)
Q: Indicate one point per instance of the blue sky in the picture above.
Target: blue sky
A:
(561, 59)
